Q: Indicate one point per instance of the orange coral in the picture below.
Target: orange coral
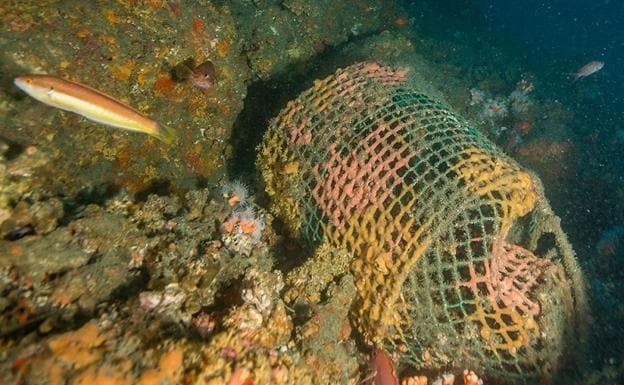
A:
(164, 85)
(168, 370)
(501, 182)
(78, 348)
(416, 380)
(198, 25)
(118, 374)
(470, 378)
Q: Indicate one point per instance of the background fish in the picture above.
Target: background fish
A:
(588, 69)
(92, 104)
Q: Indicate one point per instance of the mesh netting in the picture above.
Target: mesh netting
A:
(457, 257)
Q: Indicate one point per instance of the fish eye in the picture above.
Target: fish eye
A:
(29, 81)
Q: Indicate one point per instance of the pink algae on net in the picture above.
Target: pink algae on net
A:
(346, 183)
(300, 134)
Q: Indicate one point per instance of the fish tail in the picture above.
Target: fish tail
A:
(165, 134)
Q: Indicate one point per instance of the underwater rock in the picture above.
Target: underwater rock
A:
(326, 339)
(46, 214)
(232, 44)
(27, 162)
(95, 353)
(41, 218)
(282, 35)
(156, 212)
(69, 271)
(54, 254)
(308, 282)
(197, 203)
(101, 50)
(167, 303)
(255, 343)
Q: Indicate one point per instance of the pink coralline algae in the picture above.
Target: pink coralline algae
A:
(349, 184)
(299, 134)
(384, 75)
(510, 276)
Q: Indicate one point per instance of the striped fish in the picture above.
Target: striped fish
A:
(92, 104)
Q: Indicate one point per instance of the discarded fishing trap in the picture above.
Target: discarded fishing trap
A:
(458, 259)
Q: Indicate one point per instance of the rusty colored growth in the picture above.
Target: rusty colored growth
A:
(457, 257)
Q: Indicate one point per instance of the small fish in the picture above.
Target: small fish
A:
(92, 104)
(201, 76)
(588, 69)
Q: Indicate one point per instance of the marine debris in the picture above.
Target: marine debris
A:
(436, 221)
